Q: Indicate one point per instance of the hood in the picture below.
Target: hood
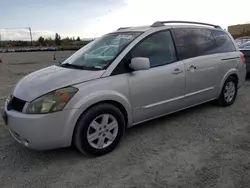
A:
(51, 78)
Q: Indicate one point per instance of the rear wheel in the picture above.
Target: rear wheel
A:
(228, 93)
(99, 130)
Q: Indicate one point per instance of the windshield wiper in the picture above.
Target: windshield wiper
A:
(82, 67)
(92, 68)
(71, 66)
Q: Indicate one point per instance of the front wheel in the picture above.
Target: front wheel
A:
(228, 93)
(99, 130)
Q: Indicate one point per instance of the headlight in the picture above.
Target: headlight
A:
(51, 102)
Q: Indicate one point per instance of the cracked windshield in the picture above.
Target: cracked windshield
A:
(124, 94)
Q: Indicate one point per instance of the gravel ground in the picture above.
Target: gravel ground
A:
(205, 146)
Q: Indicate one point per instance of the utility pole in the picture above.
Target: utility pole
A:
(30, 35)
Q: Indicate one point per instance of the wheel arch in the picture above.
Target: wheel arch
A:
(233, 73)
(112, 102)
(236, 77)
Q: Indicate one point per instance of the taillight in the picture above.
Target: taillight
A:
(243, 58)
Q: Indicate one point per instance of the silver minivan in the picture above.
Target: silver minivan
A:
(121, 79)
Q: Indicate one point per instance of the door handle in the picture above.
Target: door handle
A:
(191, 68)
(177, 71)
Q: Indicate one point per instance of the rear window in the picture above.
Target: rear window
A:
(223, 41)
(193, 42)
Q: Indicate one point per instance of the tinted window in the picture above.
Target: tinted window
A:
(193, 42)
(159, 48)
(223, 41)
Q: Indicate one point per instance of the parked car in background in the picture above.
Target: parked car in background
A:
(11, 50)
(245, 45)
(150, 72)
(245, 49)
(241, 40)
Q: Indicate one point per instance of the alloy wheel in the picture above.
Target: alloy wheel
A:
(102, 131)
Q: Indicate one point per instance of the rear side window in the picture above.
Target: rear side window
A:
(193, 42)
(158, 47)
(223, 42)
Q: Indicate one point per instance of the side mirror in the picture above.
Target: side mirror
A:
(140, 63)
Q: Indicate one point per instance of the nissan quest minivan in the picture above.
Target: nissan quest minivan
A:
(121, 79)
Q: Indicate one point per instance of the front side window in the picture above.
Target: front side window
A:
(193, 42)
(223, 42)
(101, 52)
(158, 47)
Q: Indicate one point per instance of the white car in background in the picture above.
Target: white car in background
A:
(245, 49)
(11, 50)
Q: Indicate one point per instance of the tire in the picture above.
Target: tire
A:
(223, 100)
(91, 125)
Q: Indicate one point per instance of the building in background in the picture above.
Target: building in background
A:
(239, 30)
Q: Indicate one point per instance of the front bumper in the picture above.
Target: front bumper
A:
(42, 132)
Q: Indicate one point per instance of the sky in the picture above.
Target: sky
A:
(92, 18)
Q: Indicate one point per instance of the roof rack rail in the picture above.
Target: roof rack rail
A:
(161, 23)
(121, 28)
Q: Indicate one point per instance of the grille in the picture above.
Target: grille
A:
(16, 104)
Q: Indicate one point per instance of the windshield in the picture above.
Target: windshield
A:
(102, 51)
(98, 50)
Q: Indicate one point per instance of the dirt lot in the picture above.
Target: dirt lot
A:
(206, 146)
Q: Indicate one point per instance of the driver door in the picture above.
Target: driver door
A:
(160, 89)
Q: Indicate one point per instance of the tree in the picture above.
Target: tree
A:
(41, 41)
(65, 41)
(78, 39)
(57, 39)
(49, 41)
